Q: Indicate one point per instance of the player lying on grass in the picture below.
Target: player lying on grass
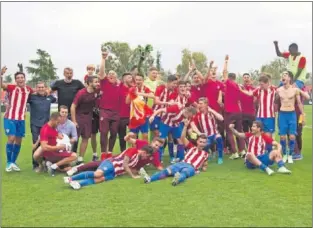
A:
(256, 155)
(136, 143)
(110, 168)
(195, 159)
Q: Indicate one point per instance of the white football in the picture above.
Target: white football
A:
(66, 142)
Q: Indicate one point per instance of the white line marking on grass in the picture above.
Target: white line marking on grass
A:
(308, 126)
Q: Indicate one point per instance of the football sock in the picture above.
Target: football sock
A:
(9, 152)
(159, 175)
(86, 182)
(220, 147)
(84, 175)
(54, 166)
(16, 151)
(161, 151)
(280, 163)
(292, 143)
(262, 167)
(269, 148)
(171, 149)
(180, 152)
(283, 145)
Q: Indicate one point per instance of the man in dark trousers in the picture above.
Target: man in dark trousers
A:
(40, 103)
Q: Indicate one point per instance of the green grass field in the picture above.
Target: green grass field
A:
(226, 195)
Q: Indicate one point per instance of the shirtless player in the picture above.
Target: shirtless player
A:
(287, 119)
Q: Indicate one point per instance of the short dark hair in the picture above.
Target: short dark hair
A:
(192, 110)
(263, 79)
(202, 136)
(232, 76)
(291, 76)
(181, 83)
(140, 75)
(63, 107)
(246, 74)
(147, 149)
(17, 73)
(90, 79)
(171, 78)
(293, 45)
(54, 116)
(125, 74)
(188, 82)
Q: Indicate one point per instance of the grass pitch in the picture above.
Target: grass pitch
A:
(225, 195)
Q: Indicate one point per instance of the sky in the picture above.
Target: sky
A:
(72, 33)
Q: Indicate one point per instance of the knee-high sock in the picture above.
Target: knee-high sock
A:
(291, 146)
(159, 175)
(84, 175)
(280, 163)
(262, 167)
(180, 152)
(283, 145)
(16, 151)
(86, 182)
(171, 149)
(220, 147)
(161, 151)
(9, 152)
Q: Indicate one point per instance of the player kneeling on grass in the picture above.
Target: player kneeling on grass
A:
(194, 159)
(110, 168)
(53, 152)
(257, 156)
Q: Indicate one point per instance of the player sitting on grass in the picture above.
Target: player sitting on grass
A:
(110, 168)
(257, 156)
(136, 143)
(195, 158)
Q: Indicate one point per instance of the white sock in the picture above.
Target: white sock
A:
(80, 159)
(54, 166)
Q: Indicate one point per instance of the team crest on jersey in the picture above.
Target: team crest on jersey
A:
(218, 87)
(105, 168)
(48, 99)
(7, 130)
(101, 118)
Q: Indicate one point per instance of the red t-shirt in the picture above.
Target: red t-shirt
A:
(109, 99)
(48, 134)
(197, 92)
(146, 90)
(232, 97)
(211, 90)
(247, 102)
(85, 102)
(124, 108)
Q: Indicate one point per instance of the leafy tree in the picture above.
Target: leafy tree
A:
(122, 57)
(275, 68)
(43, 68)
(198, 58)
(8, 79)
(20, 67)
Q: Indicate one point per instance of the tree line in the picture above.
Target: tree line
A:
(122, 58)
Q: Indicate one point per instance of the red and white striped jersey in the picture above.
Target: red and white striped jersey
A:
(117, 161)
(174, 119)
(266, 101)
(206, 123)
(17, 102)
(257, 144)
(196, 157)
(163, 94)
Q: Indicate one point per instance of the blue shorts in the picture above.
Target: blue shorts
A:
(14, 127)
(165, 130)
(264, 158)
(155, 123)
(268, 124)
(144, 128)
(287, 123)
(299, 84)
(107, 168)
(211, 140)
(184, 167)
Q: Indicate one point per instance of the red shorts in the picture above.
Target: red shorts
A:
(84, 126)
(54, 157)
